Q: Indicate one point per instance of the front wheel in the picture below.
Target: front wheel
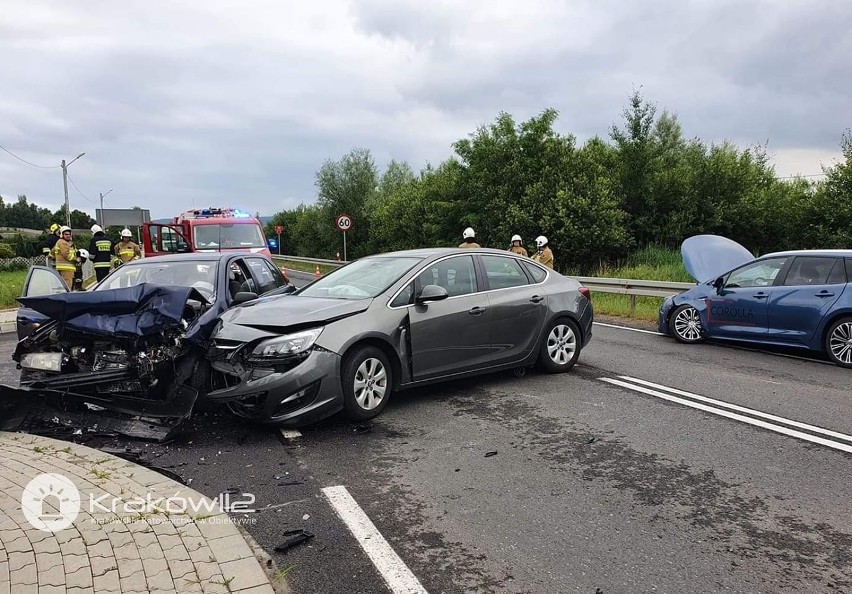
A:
(685, 325)
(838, 342)
(560, 347)
(366, 382)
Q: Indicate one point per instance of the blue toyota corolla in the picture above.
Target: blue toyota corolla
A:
(796, 299)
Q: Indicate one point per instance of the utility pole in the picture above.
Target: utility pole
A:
(65, 183)
(101, 218)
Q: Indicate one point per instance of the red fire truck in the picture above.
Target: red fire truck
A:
(206, 230)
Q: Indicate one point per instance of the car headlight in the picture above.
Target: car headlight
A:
(289, 344)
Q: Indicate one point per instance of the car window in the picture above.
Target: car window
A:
(239, 279)
(537, 272)
(503, 272)
(837, 276)
(44, 282)
(362, 279)
(200, 274)
(405, 297)
(849, 270)
(457, 275)
(809, 271)
(268, 276)
(756, 274)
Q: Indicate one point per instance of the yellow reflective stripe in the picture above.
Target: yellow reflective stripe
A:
(65, 267)
(103, 246)
(103, 265)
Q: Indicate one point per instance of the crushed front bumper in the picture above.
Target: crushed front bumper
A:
(299, 392)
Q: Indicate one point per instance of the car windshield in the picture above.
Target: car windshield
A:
(198, 274)
(363, 279)
(227, 235)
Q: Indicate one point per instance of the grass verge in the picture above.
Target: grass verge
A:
(11, 285)
(610, 304)
(303, 266)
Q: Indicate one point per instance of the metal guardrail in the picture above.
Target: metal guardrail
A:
(620, 286)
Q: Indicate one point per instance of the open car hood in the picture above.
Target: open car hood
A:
(706, 257)
(141, 310)
(294, 310)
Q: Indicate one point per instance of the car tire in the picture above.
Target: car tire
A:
(560, 346)
(685, 325)
(838, 342)
(366, 379)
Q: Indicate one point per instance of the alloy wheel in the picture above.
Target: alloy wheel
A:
(840, 343)
(370, 384)
(561, 344)
(687, 324)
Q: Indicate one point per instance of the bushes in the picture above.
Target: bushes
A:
(6, 251)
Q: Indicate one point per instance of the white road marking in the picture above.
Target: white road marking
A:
(290, 433)
(628, 328)
(639, 386)
(394, 571)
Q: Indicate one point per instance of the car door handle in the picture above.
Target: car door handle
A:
(824, 294)
(536, 298)
(760, 296)
(476, 311)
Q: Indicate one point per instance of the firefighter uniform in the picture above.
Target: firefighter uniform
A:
(100, 253)
(469, 244)
(65, 256)
(544, 256)
(518, 249)
(127, 251)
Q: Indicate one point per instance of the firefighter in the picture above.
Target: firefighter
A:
(65, 256)
(469, 236)
(126, 250)
(49, 244)
(100, 252)
(516, 247)
(544, 255)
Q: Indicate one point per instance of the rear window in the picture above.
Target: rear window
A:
(536, 272)
(503, 272)
(849, 269)
(809, 270)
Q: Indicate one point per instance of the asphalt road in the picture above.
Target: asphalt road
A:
(594, 487)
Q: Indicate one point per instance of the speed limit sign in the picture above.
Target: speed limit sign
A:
(344, 222)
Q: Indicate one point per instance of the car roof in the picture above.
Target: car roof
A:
(193, 257)
(825, 253)
(424, 253)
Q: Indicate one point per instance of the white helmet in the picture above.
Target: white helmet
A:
(541, 241)
(83, 253)
(126, 233)
(469, 233)
(516, 238)
(96, 229)
(64, 228)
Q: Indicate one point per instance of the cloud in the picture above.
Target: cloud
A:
(178, 103)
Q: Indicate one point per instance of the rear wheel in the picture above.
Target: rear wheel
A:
(685, 325)
(366, 382)
(560, 346)
(838, 342)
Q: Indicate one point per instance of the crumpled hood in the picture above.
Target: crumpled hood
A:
(133, 311)
(706, 257)
(291, 310)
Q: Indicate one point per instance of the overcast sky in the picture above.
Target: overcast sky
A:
(179, 103)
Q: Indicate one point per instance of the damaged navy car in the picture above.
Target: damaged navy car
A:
(798, 299)
(133, 346)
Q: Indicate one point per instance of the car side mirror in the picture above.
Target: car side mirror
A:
(244, 296)
(431, 293)
(719, 283)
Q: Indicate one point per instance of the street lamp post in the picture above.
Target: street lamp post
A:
(101, 218)
(65, 183)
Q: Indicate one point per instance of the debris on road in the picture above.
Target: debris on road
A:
(361, 429)
(293, 538)
(489, 454)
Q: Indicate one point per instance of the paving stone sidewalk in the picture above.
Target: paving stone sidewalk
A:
(120, 550)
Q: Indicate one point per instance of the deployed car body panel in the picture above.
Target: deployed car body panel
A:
(705, 257)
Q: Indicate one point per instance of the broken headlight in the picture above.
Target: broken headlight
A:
(42, 361)
(287, 345)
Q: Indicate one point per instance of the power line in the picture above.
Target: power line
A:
(27, 162)
(795, 176)
(78, 190)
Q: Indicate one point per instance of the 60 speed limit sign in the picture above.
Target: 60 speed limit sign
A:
(344, 222)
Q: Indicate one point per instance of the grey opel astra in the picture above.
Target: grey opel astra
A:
(389, 322)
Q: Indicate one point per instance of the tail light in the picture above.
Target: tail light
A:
(585, 292)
